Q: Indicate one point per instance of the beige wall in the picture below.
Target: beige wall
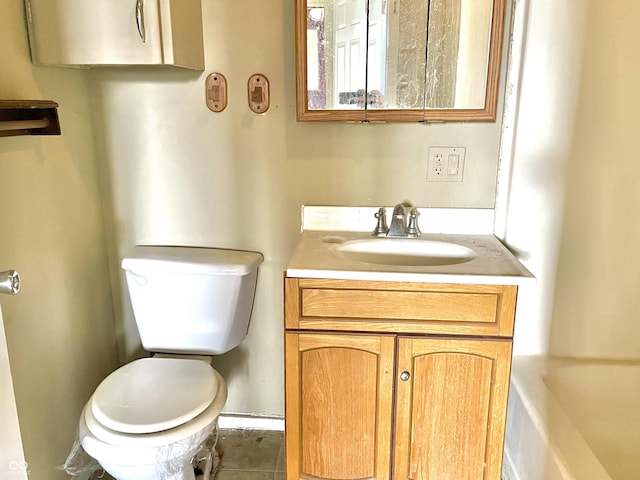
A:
(573, 197)
(597, 296)
(59, 329)
(530, 197)
(176, 173)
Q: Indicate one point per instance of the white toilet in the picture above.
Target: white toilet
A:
(147, 419)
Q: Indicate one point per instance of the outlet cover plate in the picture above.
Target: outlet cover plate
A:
(445, 164)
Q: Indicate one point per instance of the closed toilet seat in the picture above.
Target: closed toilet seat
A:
(153, 394)
(155, 401)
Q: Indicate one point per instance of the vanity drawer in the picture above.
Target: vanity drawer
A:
(399, 307)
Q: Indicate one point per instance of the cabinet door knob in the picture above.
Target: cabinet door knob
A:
(404, 376)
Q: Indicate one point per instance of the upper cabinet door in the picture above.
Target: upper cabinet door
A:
(117, 32)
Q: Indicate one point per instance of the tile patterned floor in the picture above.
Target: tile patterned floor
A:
(244, 455)
(250, 455)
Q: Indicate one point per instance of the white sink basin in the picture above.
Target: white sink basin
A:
(405, 251)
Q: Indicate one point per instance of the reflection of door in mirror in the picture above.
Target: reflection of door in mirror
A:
(350, 50)
(376, 53)
(336, 42)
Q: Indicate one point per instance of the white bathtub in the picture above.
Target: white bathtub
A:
(573, 420)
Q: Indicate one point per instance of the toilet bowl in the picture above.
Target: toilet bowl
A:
(133, 441)
(148, 418)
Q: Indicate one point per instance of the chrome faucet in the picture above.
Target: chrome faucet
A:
(399, 227)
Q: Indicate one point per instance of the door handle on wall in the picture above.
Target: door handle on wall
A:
(140, 20)
(9, 282)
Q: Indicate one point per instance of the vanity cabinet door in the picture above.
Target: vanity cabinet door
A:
(339, 394)
(450, 408)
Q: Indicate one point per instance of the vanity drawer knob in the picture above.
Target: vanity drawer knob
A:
(404, 376)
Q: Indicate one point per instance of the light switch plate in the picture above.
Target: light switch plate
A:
(445, 164)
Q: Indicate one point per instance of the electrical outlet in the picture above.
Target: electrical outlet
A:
(438, 164)
(445, 164)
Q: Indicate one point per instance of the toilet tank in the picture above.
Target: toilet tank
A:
(191, 300)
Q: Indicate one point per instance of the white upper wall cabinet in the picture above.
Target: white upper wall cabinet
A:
(116, 32)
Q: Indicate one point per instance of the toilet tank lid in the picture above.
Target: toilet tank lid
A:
(193, 260)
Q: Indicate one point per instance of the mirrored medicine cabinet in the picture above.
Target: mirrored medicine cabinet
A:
(398, 60)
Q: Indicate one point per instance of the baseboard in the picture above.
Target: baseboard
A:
(250, 422)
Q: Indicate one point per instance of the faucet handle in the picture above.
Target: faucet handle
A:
(381, 229)
(413, 230)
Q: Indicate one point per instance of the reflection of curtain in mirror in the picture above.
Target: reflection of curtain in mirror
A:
(407, 37)
(442, 53)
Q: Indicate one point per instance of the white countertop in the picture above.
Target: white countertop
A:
(315, 257)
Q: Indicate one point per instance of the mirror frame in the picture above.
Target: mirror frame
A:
(486, 114)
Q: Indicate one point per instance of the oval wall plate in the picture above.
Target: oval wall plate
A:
(258, 91)
(216, 92)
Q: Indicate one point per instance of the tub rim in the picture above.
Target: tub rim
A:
(564, 443)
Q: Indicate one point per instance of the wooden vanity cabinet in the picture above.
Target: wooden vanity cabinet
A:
(393, 380)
